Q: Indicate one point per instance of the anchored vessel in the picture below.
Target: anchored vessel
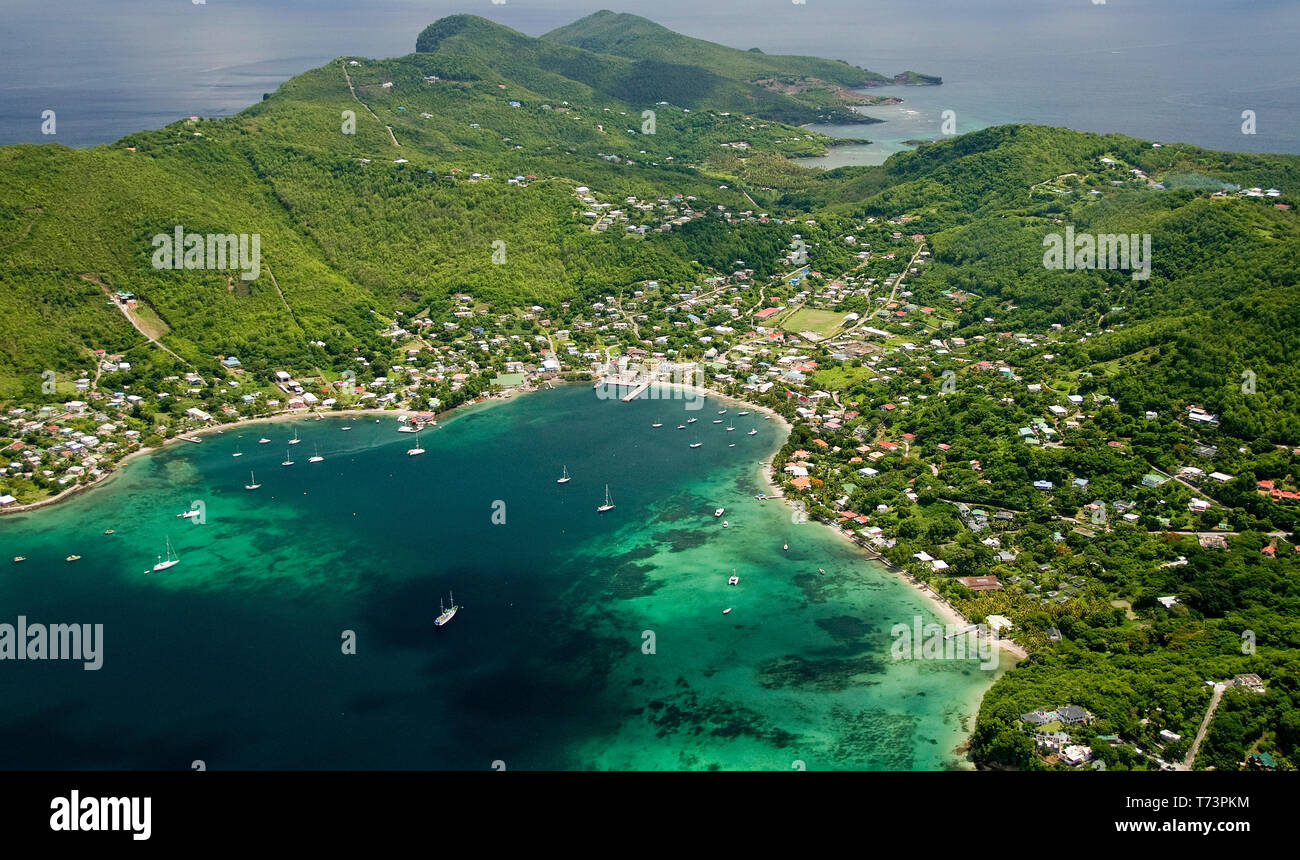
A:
(445, 614)
(608, 506)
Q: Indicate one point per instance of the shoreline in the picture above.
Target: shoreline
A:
(939, 604)
(311, 415)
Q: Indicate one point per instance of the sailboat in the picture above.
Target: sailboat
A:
(238, 453)
(170, 562)
(287, 461)
(317, 458)
(696, 444)
(608, 506)
(252, 483)
(735, 580)
(417, 449)
(445, 614)
(657, 424)
(295, 440)
(565, 478)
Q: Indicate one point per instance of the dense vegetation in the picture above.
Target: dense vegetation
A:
(402, 216)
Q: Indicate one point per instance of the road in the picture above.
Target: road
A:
(1190, 758)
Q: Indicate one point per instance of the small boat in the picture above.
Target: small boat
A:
(252, 483)
(287, 461)
(295, 440)
(108, 531)
(691, 420)
(729, 429)
(18, 558)
(189, 515)
(718, 512)
(263, 440)
(563, 479)
(696, 444)
(170, 562)
(722, 412)
(417, 450)
(726, 525)
(681, 426)
(785, 546)
(72, 558)
(746, 412)
(751, 433)
(609, 505)
(445, 614)
(349, 427)
(717, 420)
(657, 424)
(732, 445)
(317, 458)
(726, 611)
(735, 580)
(822, 571)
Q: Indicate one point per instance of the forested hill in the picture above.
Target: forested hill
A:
(358, 223)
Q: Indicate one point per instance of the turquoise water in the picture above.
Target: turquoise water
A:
(234, 656)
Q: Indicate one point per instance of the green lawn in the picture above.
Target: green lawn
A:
(807, 319)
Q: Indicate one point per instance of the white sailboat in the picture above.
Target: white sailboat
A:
(565, 478)
(287, 461)
(295, 440)
(609, 505)
(170, 562)
(417, 449)
(696, 444)
(263, 440)
(252, 482)
(238, 453)
(317, 458)
(445, 614)
(657, 424)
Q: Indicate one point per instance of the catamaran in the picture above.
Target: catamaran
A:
(564, 479)
(417, 449)
(170, 562)
(252, 483)
(609, 505)
(295, 440)
(317, 458)
(735, 580)
(287, 461)
(445, 614)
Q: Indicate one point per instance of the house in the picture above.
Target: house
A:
(980, 583)
(1072, 715)
(1253, 683)
(1076, 755)
(1167, 602)
(1039, 717)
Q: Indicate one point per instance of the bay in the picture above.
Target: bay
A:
(234, 657)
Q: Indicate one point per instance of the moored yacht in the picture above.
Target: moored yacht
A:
(609, 505)
(445, 614)
(563, 479)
